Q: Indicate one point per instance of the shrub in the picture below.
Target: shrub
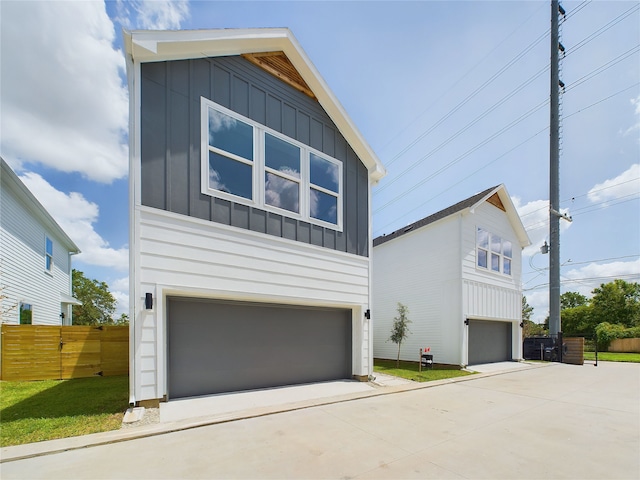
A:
(607, 332)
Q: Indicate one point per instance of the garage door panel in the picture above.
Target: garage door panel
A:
(216, 347)
(489, 341)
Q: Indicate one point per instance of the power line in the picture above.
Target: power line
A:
(453, 86)
(466, 100)
(379, 229)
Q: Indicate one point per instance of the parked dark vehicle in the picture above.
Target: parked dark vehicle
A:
(539, 348)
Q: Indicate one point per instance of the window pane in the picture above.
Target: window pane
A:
(49, 262)
(281, 192)
(49, 246)
(483, 238)
(506, 266)
(281, 156)
(495, 262)
(506, 249)
(495, 244)
(324, 173)
(324, 206)
(230, 176)
(482, 258)
(230, 134)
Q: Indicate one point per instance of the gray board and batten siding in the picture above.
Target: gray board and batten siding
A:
(170, 146)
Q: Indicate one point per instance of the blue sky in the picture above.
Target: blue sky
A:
(452, 96)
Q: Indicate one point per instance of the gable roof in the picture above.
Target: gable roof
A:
(11, 181)
(291, 65)
(497, 196)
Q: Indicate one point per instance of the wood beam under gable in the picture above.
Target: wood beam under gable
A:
(496, 202)
(278, 65)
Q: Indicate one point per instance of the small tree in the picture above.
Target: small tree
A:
(400, 329)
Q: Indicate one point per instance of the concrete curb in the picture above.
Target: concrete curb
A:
(50, 447)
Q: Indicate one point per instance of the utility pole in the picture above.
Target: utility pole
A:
(554, 174)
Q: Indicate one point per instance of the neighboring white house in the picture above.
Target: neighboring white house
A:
(458, 271)
(250, 217)
(35, 258)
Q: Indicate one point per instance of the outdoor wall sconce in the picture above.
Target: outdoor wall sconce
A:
(521, 324)
(62, 315)
(367, 314)
(466, 322)
(148, 301)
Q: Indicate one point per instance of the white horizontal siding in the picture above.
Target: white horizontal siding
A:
(22, 264)
(179, 255)
(421, 270)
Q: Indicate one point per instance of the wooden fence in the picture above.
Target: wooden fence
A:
(574, 350)
(44, 352)
(626, 345)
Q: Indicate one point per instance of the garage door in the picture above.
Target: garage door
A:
(216, 346)
(489, 342)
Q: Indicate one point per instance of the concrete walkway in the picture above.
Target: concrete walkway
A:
(556, 421)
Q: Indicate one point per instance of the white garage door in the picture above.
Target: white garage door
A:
(216, 346)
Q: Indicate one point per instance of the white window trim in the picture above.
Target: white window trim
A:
(259, 170)
(489, 252)
(48, 258)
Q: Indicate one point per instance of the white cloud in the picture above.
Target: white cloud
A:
(592, 275)
(64, 103)
(636, 103)
(76, 216)
(624, 185)
(154, 14)
(535, 218)
(120, 290)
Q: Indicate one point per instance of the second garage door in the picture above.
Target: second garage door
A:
(489, 342)
(216, 346)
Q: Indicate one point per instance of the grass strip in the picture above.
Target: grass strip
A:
(409, 370)
(49, 409)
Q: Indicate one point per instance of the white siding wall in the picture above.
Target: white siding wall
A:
(22, 264)
(422, 271)
(179, 255)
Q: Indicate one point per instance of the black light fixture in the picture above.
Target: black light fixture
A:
(466, 322)
(148, 301)
(62, 315)
(367, 314)
(521, 324)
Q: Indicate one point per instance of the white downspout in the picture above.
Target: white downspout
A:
(133, 300)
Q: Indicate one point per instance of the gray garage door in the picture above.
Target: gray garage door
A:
(489, 342)
(216, 346)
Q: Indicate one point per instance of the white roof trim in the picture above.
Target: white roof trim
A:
(155, 46)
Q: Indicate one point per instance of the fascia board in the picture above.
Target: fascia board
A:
(155, 46)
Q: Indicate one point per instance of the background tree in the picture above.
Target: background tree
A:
(617, 302)
(400, 329)
(98, 305)
(529, 328)
(572, 300)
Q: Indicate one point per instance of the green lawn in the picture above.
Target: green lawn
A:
(613, 357)
(409, 370)
(49, 409)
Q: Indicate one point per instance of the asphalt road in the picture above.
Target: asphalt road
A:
(560, 421)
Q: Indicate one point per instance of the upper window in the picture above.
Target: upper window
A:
(493, 252)
(246, 162)
(48, 254)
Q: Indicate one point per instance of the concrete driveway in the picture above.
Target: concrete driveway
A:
(558, 421)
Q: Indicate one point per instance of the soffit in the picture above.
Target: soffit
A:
(278, 65)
